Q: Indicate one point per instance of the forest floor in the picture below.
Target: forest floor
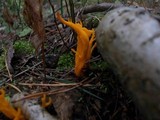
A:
(97, 95)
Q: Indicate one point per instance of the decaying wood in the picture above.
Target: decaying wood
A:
(130, 38)
(110, 6)
(101, 7)
(31, 109)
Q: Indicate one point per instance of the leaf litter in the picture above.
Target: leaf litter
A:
(97, 95)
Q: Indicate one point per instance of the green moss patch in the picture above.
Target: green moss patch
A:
(23, 47)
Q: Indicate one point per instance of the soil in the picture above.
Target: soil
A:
(105, 98)
(97, 95)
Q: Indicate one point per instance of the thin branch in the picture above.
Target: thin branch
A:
(71, 4)
(9, 73)
(52, 85)
(57, 24)
(27, 70)
(67, 8)
(61, 90)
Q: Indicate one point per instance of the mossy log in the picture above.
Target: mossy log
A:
(130, 38)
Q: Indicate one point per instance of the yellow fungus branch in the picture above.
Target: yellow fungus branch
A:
(84, 44)
(7, 109)
(45, 102)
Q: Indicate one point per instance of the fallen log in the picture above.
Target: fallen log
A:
(130, 38)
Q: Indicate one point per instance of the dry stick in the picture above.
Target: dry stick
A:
(52, 85)
(67, 8)
(27, 61)
(46, 93)
(43, 60)
(9, 73)
(57, 25)
(66, 73)
(52, 92)
(72, 10)
(15, 87)
(94, 59)
(27, 69)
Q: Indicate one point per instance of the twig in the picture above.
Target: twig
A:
(7, 64)
(94, 59)
(67, 73)
(52, 85)
(54, 91)
(71, 4)
(13, 86)
(43, 60)
(57, 24)
(67, 7)
(27, 70)
(9, 73)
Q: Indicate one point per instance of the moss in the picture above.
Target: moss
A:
(100, 65)
(23, 47)
(2, 60)
(66, 61)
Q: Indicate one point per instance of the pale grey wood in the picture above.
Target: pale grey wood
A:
(130, 38)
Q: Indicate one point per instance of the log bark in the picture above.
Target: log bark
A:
(130, 38)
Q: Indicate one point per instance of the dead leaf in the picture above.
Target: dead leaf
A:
(33, 17)
(36, 42)
(9, 52)
(64, 104)
(9, 56)
(7, 16)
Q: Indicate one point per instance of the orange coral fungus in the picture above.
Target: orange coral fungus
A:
(44, 101)
(7, 109)
(85, 39)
